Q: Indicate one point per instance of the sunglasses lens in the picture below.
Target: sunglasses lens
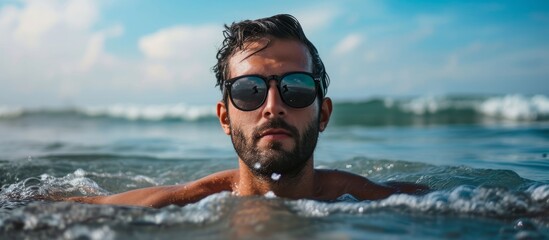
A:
(298, 90)
(248, 93)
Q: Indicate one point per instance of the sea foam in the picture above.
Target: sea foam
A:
(511, 107)
(151, 112)
(9, 112)
(516, 107)
(463, 200)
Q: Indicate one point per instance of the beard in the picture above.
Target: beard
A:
(274, 159)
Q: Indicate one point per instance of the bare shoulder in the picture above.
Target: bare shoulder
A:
(342, 180)
(196, 190)
(336, 183)
(217, 182)
(338, 177)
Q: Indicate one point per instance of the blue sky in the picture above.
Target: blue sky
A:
(85, 52)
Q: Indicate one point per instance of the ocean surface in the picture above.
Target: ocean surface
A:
(485, 157)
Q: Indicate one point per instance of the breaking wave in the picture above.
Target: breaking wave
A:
(443, 110)
(376, 111)
(177, 112)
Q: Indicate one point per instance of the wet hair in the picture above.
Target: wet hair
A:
(282, 26)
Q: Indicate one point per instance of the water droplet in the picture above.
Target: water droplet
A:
(524, 224)
(257, 165)
(348, 166)
(270, 194)
(275, 176)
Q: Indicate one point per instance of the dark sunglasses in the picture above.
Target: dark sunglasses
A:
(296, 89)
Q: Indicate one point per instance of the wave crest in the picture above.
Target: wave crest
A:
(377, 111)
(464, 200)
(130, 112)
(151, 112)
(48, 187)
(516, 107)
(511, 107)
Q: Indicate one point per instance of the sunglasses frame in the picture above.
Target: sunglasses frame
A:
(319, 87)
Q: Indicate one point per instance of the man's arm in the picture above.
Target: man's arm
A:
(146, 197)
(161, 196)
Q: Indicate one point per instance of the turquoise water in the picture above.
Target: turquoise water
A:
(485, 157)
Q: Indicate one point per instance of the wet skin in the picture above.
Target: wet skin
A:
(279, 57)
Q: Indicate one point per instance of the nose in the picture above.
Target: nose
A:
(274, 106)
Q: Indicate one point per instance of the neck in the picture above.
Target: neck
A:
(300, 185)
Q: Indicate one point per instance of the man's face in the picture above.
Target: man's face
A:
(275, 138)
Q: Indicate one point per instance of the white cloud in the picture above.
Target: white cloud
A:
(95, 47)
(80, 14)
(37, 18)
(177, 55)
(348, 44)
(50, 51)
(53, 50)
(158, 71)
(183, 42)
(8, 16)
(315, 18)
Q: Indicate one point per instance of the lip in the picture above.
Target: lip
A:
(276, 132)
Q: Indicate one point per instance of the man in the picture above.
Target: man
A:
(273, 84)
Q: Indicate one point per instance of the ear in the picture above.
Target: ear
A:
(325, 113)
(223, 116)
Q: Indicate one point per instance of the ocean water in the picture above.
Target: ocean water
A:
(485, 157)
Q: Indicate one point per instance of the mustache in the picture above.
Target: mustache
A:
(275, 123)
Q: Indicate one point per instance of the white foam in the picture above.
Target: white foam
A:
(119, 175)
(85, 232)
(80, 173)
(209, 209)
(539, 193)
(151, 112)
(463, 199)
(73, 182)
(424, 105)
(10, 112)
(511, 107)
(433, 104)
(516, 107)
